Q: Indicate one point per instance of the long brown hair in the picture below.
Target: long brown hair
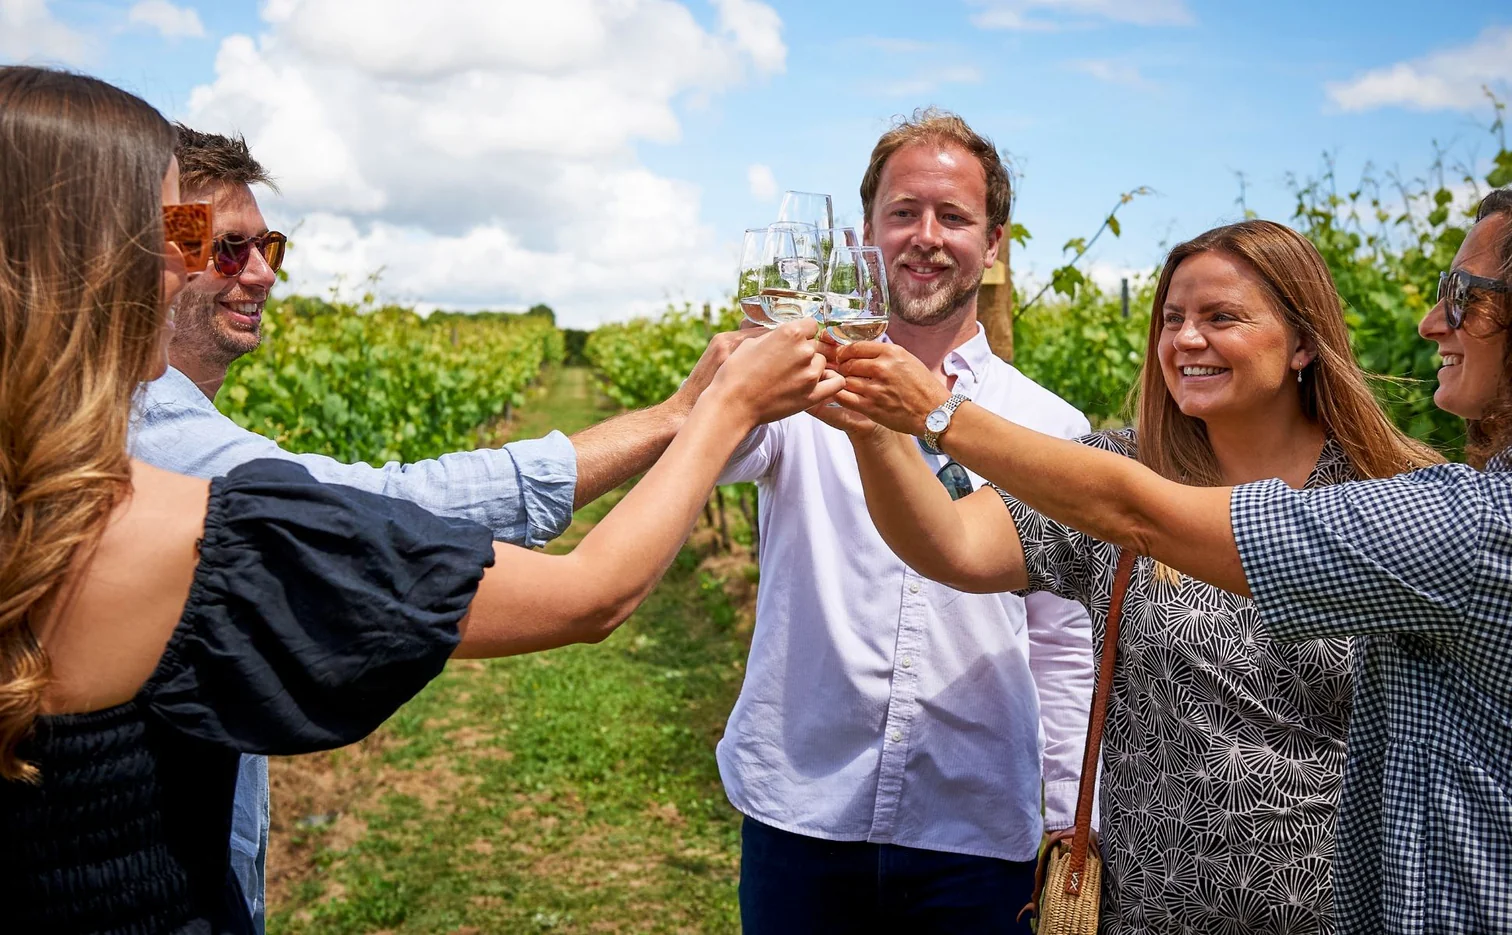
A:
(1492, 432)
(1334, 390)
(81, 260)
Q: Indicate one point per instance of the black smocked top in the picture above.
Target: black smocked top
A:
(316, 611)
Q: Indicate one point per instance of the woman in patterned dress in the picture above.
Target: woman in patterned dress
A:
(1223, 749)
(1419, 567)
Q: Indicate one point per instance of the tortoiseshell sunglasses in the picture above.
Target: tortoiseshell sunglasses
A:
(187, 228)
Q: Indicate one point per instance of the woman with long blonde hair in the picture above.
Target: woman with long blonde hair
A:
(1223, 749)
(154, 627)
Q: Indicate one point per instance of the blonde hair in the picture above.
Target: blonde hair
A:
(1335, 393)
(81, 259)
(932, 125)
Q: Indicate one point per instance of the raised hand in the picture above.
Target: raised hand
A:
(721, 346)
(888, 385)
(777, 374)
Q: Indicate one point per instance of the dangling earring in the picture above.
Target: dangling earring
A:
(1299, 376)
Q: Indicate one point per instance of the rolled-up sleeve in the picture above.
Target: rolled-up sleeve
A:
(1371, 557)
(754, 456)
(521, 492)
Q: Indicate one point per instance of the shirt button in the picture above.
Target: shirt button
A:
(897, 736)
(907, 661)
(913, 587)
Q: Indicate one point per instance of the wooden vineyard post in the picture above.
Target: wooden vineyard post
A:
(995, 304)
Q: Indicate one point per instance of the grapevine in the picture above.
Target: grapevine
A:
(385, 385)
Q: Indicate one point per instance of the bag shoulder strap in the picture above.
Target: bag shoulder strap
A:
(1081, 838)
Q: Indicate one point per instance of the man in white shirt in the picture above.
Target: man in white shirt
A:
(892, 736)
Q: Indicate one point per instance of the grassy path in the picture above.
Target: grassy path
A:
(568, 792)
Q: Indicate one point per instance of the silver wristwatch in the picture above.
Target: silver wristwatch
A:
(937, 422)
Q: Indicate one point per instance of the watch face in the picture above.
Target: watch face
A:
(937, 421)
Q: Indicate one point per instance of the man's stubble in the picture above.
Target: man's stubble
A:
(198, 334)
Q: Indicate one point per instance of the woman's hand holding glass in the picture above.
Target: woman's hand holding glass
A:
(776, 375)
(888, 385)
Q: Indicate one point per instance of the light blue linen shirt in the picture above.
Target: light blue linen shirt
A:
(523, 492)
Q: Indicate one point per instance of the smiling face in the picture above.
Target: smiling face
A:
(930, 219)
(1225, 351)
(219, 318)
(1472, 374)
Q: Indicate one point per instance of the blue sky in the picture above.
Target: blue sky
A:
(599, 156)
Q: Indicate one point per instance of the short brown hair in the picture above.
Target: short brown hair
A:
(1491, 434)
(931, 125)
(209, 160)
(1335, 392)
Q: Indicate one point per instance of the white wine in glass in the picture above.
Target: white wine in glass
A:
(855, 295)
(779, 274)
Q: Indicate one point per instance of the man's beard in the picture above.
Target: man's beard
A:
(945, 301)
(200, 334)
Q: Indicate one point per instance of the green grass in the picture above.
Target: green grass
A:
(572, 791)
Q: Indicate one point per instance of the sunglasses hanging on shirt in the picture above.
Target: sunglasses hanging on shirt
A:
(957, 482)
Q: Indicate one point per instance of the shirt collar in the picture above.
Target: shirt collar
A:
(174, 386)
(966, 362)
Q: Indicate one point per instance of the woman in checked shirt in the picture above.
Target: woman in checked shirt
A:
(1224, 748)
(1419, 566)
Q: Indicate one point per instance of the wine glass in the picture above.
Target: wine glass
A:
(779, 273)
(807, 208)
(855, 294)
(831, 237)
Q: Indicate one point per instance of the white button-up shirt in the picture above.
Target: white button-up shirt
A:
(879, 705)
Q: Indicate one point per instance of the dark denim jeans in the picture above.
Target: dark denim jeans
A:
(791, 884)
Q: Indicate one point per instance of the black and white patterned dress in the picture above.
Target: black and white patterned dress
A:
(1223, 750)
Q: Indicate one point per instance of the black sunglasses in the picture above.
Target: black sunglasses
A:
(1454, 289)
(957, 482)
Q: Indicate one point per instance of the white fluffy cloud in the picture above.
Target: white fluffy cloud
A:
(1450, 79)
(1111, 71)
(1051, 15)
(483, 153)
(170, 21)
(929, 80)
(763, 183)
(29, 32)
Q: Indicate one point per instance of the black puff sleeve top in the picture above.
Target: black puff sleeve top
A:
(316, 611)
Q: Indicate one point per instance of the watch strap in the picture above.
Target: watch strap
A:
(931, 440)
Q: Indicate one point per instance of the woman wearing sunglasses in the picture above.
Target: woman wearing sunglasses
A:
(154, 627)
(1223, 747)
(1418, 566)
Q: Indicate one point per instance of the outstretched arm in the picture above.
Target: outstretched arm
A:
(1105, 495)
(530, 601)
(969, 544)
(617, 449)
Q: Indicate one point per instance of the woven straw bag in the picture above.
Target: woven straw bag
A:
(1068, 882)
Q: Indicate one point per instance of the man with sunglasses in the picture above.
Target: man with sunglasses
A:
(895, 741)
(525, 491)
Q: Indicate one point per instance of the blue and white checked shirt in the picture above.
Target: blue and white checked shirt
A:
(523, 492)
(1420, 566)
